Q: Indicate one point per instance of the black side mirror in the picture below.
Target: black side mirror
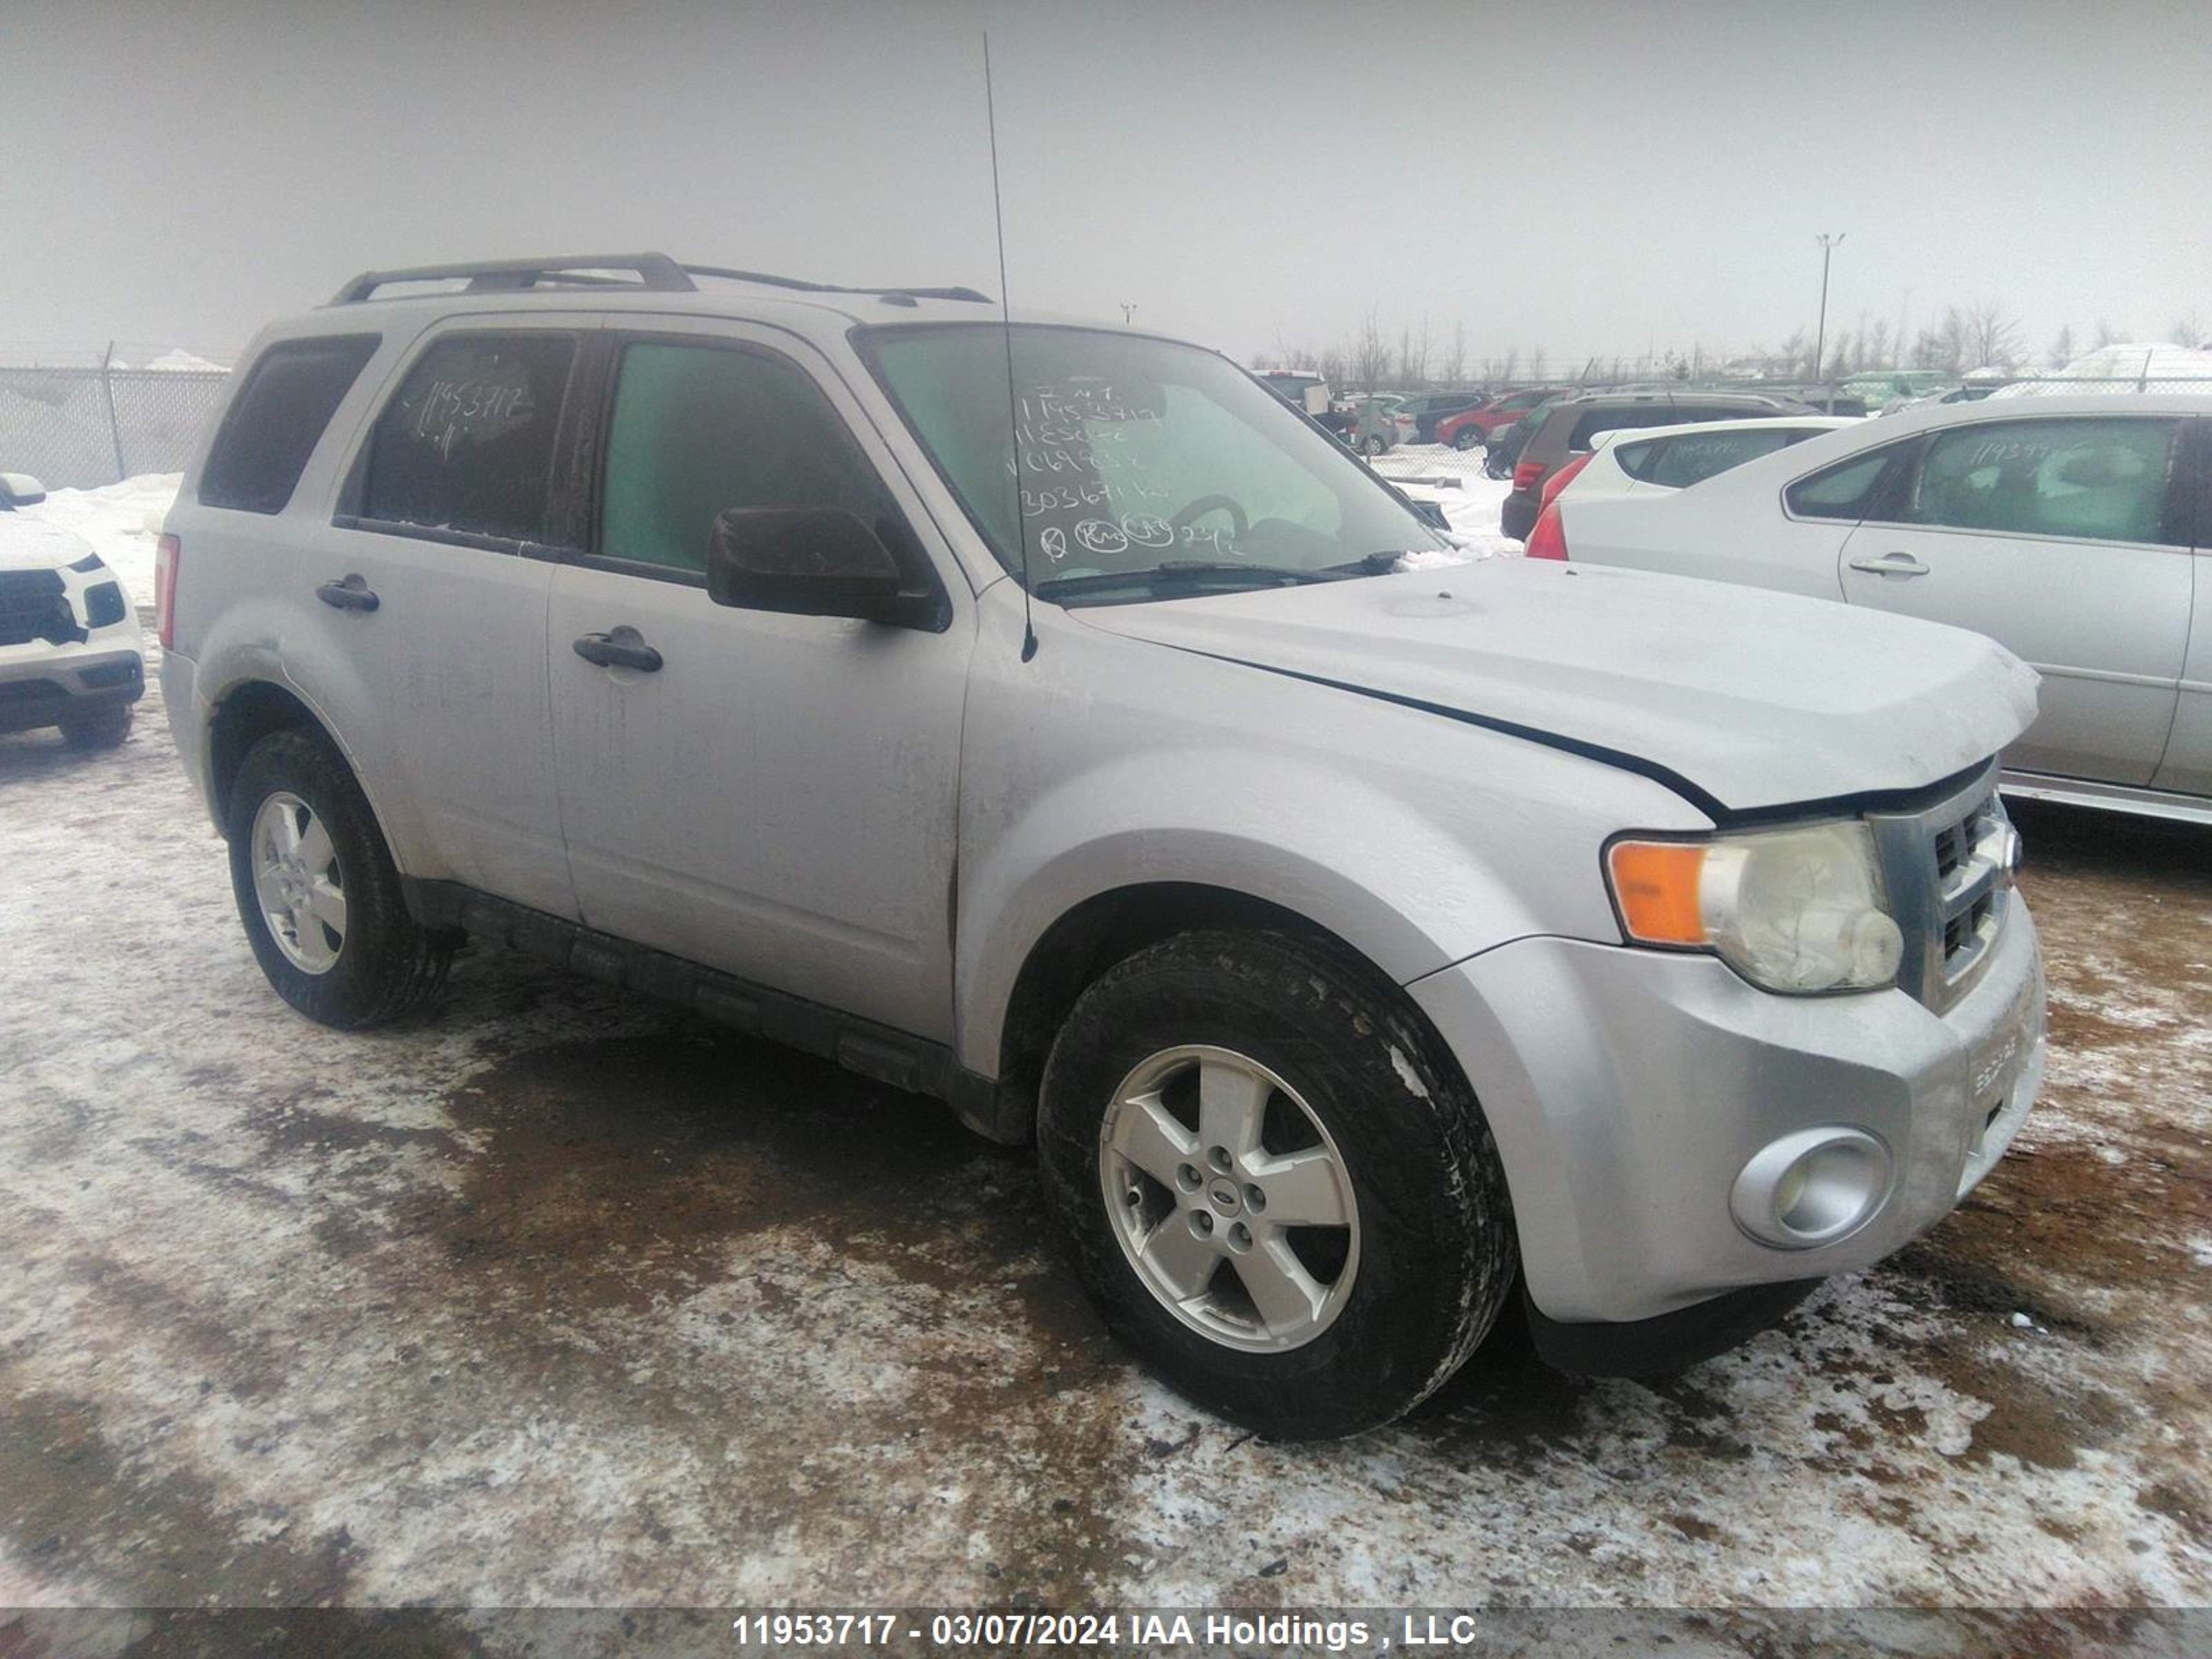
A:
(817, 562)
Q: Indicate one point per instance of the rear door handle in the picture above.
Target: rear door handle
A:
(351, 594)
(622, 648)
(1891, 565)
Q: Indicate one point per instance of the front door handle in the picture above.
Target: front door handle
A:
(1891, 565)
(622, 648)
(351, 594)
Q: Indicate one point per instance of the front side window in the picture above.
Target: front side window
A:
(466, 445)
(2088, 479)
(701, 428)
(1135, 453)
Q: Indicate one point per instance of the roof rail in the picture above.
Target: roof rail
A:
(654, 270)
(802, 285)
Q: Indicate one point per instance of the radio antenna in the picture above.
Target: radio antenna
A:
(1006, 330)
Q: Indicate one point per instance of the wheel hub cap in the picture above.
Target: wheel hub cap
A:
(1229, 1198)
(297, 883)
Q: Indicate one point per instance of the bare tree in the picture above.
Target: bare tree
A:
(1510, 368)
(1371, 355)
(1877, 345)
(1991, 336)
(2106, 335)
(1454, 370)
(2062, 348)
(2187, 331)
(1536, 364)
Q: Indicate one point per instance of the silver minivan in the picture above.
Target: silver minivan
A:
(1043, 718)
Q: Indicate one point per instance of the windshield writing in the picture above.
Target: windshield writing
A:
(1119, 454)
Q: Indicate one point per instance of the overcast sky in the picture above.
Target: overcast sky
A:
(1593, 178)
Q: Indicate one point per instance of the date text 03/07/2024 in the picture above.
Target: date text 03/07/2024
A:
(1147, 1629)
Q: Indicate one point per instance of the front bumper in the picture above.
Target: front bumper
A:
(1628, 1089)
(39, 687)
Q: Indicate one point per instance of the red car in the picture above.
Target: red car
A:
(1472, 427)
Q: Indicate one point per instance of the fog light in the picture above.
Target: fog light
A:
(1812, 1187)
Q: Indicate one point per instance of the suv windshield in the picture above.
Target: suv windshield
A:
(1136, 456)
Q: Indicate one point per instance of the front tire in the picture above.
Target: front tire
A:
(103, 726)
(319, 893)
(1372, 445)
(1469, 437)
(1280, 1194)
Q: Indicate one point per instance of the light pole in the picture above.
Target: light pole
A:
(1128, 314)
(1828, 245)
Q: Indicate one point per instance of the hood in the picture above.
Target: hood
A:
(1739, 698)
(29, 543)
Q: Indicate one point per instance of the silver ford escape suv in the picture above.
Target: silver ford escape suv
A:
(1040, 717)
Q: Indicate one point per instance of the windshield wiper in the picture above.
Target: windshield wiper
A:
(1192, 571)
(1370, 564)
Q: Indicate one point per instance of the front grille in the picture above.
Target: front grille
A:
(1948, 871)
(31, 607)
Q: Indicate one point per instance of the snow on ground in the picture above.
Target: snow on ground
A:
(558, 1296)
(1454, 479)
(121, 521)
(2152, 366)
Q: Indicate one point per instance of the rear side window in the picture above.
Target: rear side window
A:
(698, 429)
(466, 445)
(1851, 489)
(278, 419)
(1693, 457)
(2093, 480)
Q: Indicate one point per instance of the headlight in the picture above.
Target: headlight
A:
(1799, 910)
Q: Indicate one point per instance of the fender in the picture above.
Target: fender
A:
(1408, 886)
(247, 651)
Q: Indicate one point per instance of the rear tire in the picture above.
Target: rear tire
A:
(1374, 445)
(1360, 1116)
(103, 726)
(1467, 437)
(319, 893)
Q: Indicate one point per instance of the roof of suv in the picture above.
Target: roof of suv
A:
(405, 301)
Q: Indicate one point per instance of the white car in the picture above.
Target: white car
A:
(2075, 531)
(1647, 460)
(71, 652)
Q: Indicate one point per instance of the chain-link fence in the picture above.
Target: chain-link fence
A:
(76, 428)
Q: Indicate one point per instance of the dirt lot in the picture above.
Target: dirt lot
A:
(560, 1298)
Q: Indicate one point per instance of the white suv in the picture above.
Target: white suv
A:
(71, 652)
(1033, 715)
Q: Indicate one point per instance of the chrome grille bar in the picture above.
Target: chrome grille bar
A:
(1949, 869)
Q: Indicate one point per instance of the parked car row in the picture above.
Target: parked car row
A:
(1569, 427)
(2075, 531)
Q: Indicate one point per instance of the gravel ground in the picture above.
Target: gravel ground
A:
(559, 1297)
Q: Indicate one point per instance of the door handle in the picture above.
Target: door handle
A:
(623, 648)
(351, 594)
(1891, 565)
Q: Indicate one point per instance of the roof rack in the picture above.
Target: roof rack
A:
(655, 271)
(802, 285)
